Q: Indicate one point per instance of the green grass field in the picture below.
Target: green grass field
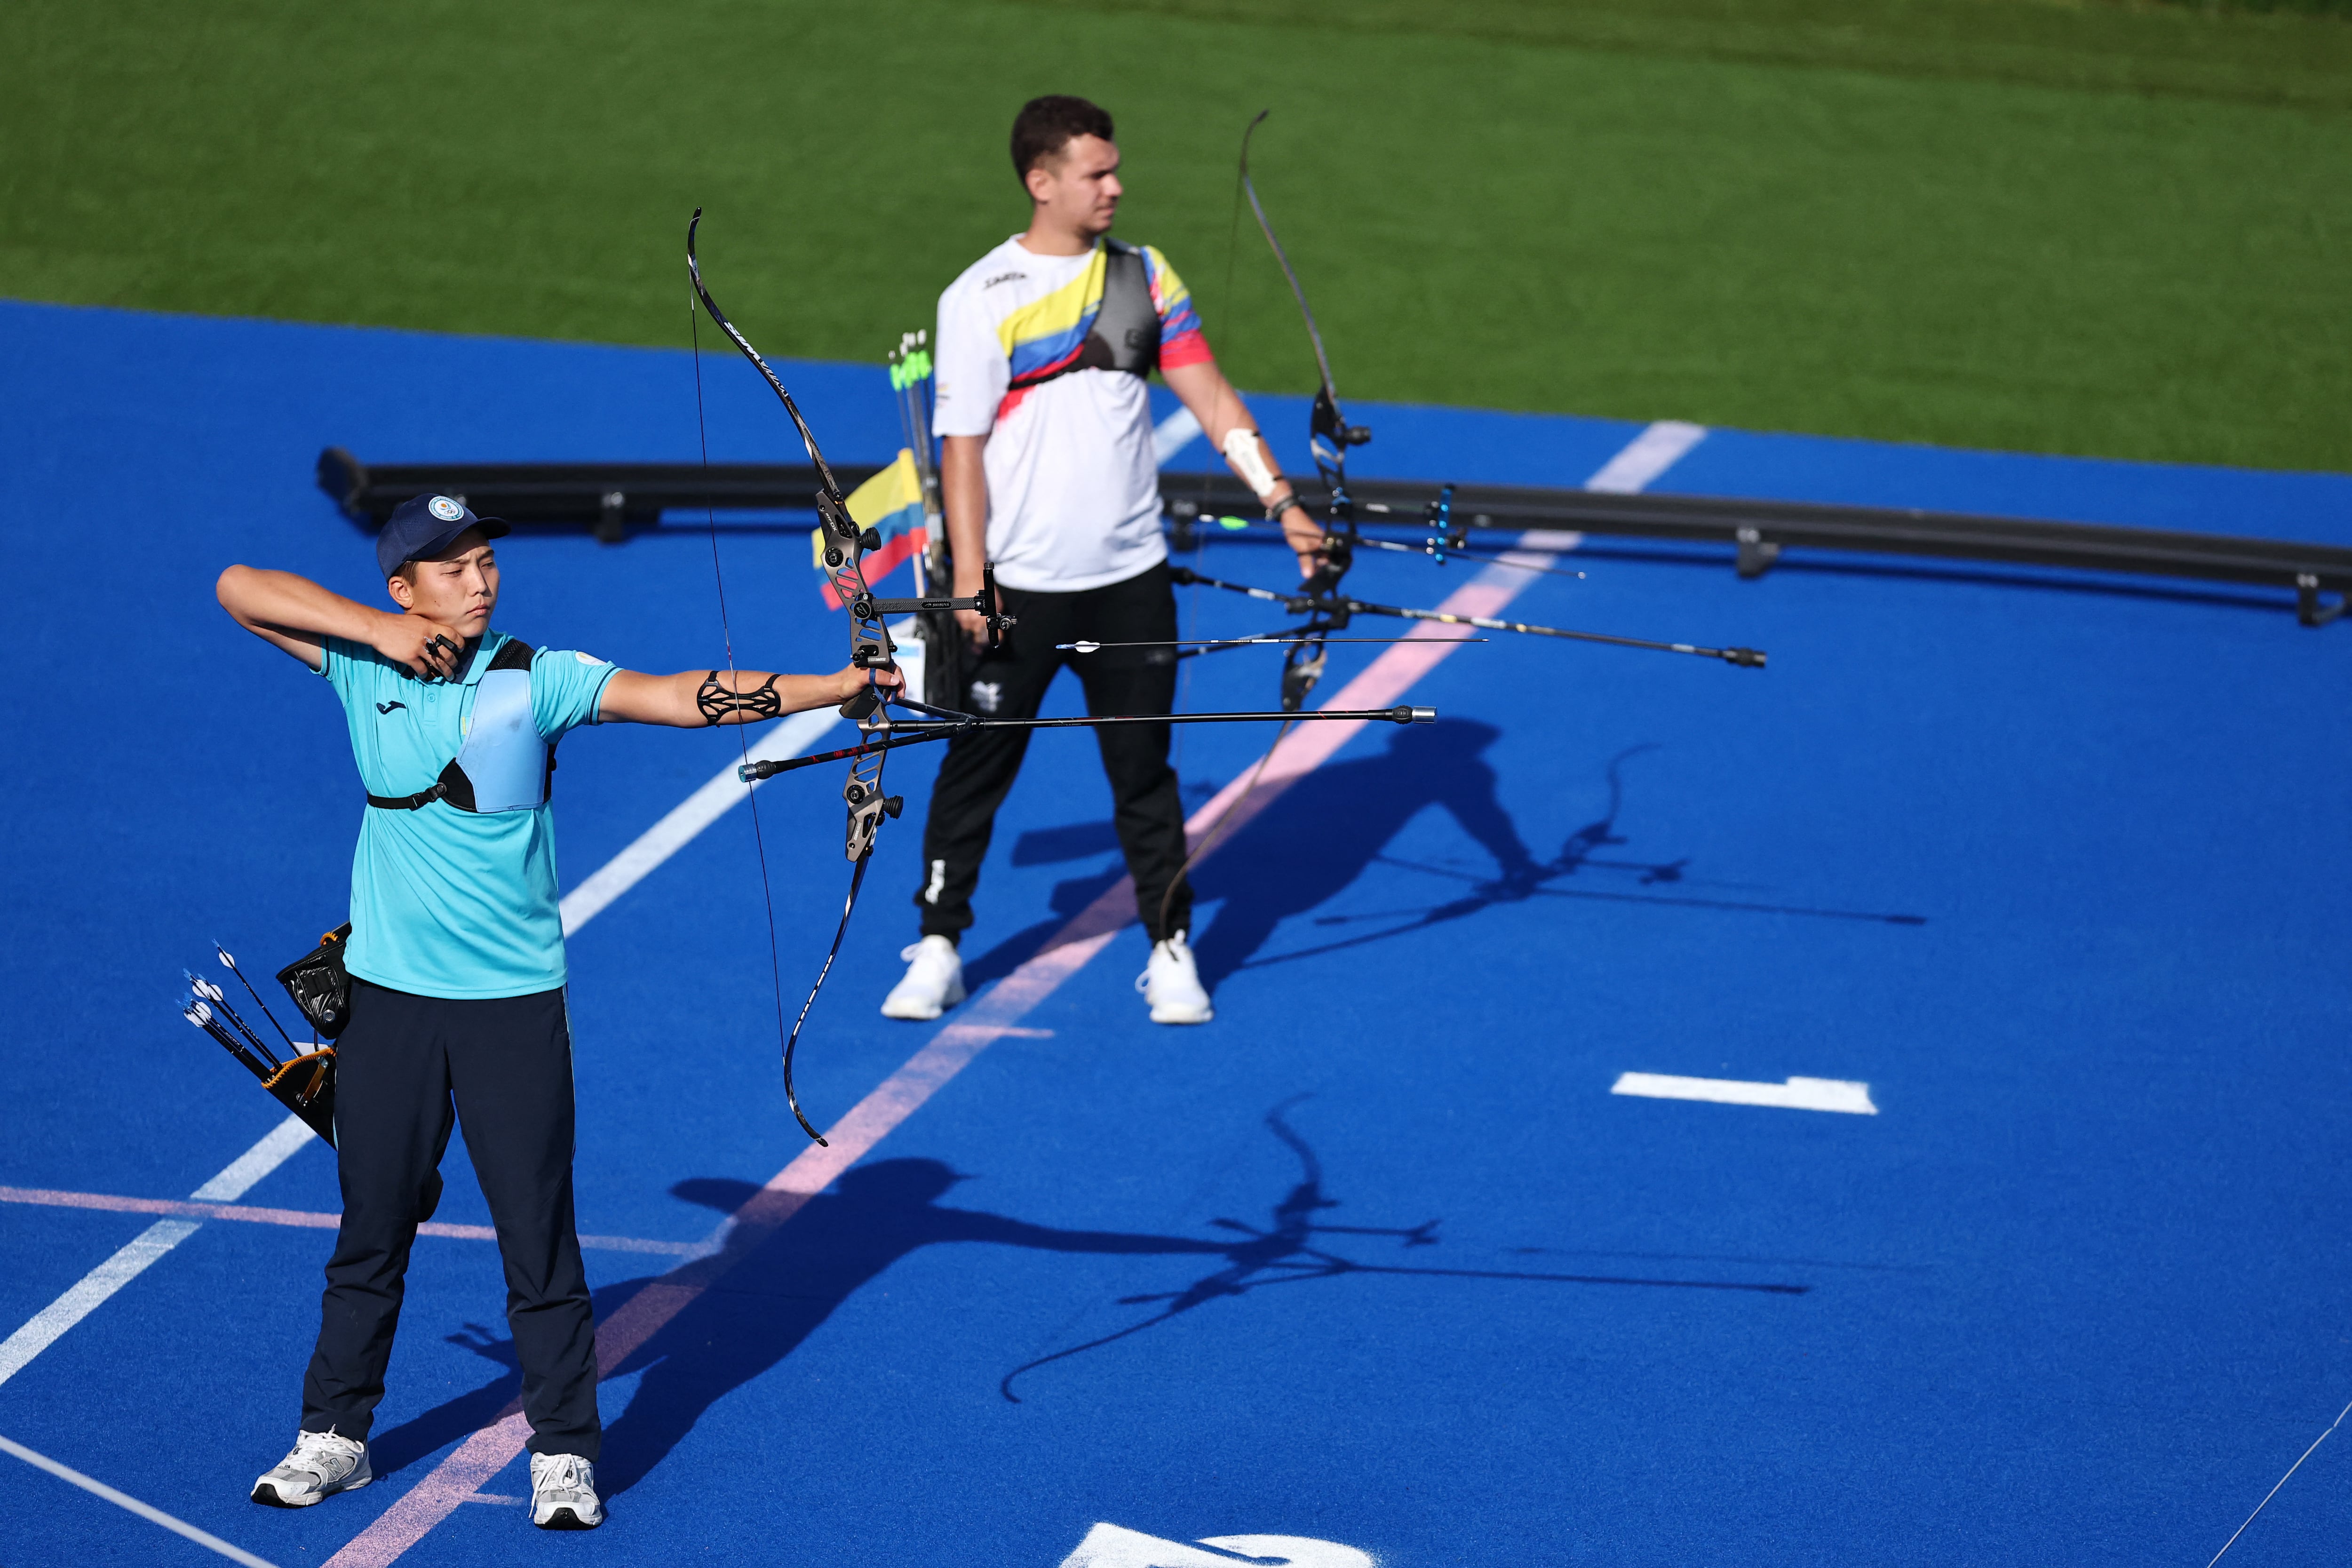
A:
(2093, 228)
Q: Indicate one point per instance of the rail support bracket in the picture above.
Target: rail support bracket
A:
(2307, 607)
(1757, 552)
(611, 518)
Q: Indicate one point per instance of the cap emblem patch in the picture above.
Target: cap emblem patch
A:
(445, 508)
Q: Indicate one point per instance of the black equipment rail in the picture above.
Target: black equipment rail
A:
(611, 498)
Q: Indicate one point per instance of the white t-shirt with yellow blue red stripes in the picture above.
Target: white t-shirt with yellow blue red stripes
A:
(1073, 491)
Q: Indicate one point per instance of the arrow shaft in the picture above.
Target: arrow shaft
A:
(916, 732)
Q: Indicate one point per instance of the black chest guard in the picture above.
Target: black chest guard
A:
(1125, 336)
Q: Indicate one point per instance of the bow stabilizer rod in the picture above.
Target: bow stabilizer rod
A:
(916, 732)
(1338, 610)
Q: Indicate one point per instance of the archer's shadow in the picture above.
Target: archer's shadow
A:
(1317, 837)
(790, 1280)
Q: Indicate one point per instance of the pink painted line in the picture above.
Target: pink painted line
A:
(461, 1475)
(307, 1219)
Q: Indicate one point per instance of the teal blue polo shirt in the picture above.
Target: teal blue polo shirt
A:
(447, 902)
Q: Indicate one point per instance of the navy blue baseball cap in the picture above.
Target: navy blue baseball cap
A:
(424, 525)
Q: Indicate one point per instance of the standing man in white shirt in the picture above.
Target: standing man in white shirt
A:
(1043, 351)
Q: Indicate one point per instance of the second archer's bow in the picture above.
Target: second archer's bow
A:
(1328, 438)
(1319, 597)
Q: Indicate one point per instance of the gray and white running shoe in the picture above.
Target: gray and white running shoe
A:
(563, 1492)
(321, 1464)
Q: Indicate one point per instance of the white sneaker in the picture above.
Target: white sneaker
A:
(563, 1492)
(322, 1464)
(934, 981)
(1172, 985)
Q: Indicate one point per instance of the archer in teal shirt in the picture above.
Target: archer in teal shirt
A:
(457, 1013)
(447, 902)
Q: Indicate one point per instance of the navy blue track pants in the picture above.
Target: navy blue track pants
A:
(407, 1070)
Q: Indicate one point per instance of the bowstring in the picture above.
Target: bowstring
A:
(734, 682)
(1200, 540)
(1200, 547)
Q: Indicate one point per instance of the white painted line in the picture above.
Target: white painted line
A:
(1553, 538)
(248, 1168)
(1797, 1094)
(1651, 454)
(988, 1017)
(781, 741)
(785, 738)
(319, 1219)
(152, 1514)
(905, 1091)
(1172, 435)
(51, 1323)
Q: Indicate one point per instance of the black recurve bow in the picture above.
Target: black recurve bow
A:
(1318, 596)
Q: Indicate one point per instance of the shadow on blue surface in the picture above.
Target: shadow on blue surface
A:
(782, 1287)
(786, 1283)
(1338, 821)
(1284, 1252)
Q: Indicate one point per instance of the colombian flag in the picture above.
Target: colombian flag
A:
(891, 503)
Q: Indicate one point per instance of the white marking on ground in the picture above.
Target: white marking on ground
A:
(983, 1021)
(145, 1510)
(1651, 454)
(319, 1219)
(1116, 1546)
(1550, 539)
(245, 1172)
(785, 738)
(1797, 1094)
(896, 1097)
(90, 1291)
(1172, 435)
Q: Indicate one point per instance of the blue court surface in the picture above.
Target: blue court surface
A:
(2057, 867)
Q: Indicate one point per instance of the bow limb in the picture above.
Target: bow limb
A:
(870, 650)
(719, 319)
(1328, 423)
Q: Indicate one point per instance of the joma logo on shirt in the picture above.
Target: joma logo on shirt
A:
(388, 707)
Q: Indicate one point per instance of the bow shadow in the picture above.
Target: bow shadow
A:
(783, 1285)
(787, 1280)
(1293, 1247)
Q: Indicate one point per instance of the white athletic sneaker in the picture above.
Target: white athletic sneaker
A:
(934, 981)
(1173, 986)
(563, 1492)
(321, 1464)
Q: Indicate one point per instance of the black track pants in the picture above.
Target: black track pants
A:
(506, 1065)
(979, 769)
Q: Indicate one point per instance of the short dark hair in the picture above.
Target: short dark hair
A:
(1046, 125)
